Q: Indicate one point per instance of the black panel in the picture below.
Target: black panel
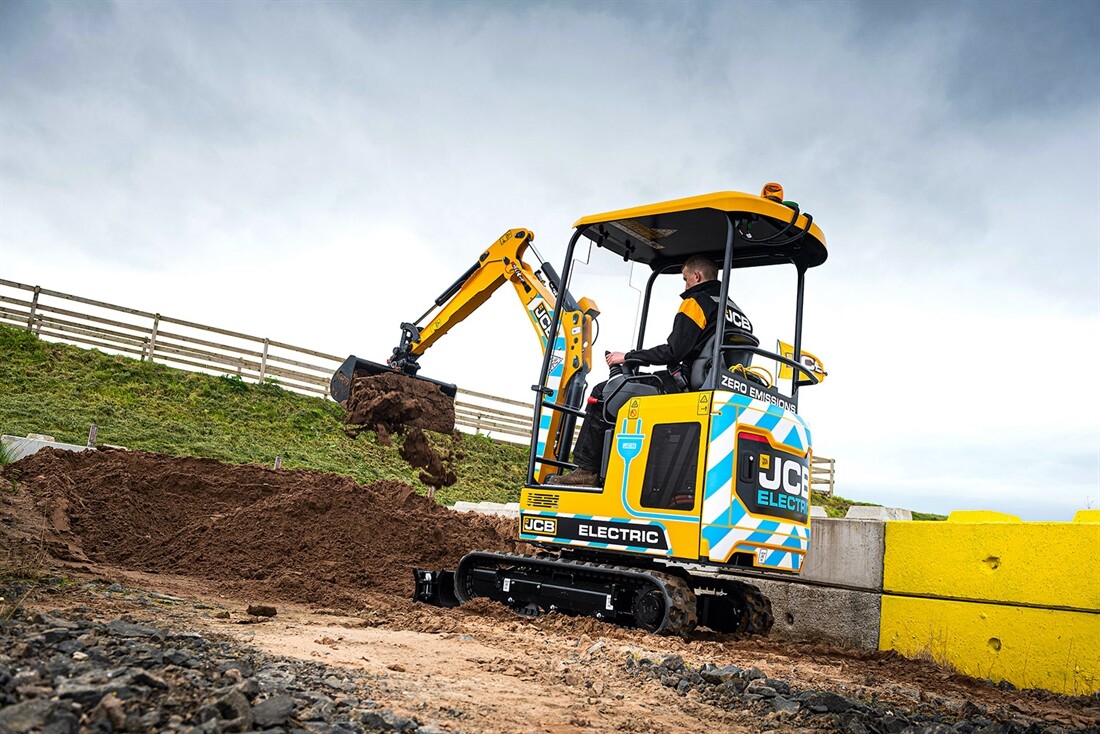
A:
(771, 481)
(671, 467)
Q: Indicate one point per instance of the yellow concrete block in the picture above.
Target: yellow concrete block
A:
(1042, 563)
(1087, 516)
(1031, 648)
(981, 516)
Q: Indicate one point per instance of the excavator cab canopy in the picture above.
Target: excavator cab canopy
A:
(765, 231)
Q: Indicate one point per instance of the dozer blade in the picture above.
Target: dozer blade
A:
(374, 395)
(435, 587)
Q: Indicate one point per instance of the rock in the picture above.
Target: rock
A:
(672, 662)
(261, 610)
(754, 673)
(387, 722)
(340, 684)
(55, 635)
(142, 677)
(249, 688)
(242, 666)
(855, 726)
(759, 688)
(785, 705)
(122, 628)
(149, 720)
(715, 676)
(235, 707)
(86, 695)
(47, 620)
(779, 685)
(109, 709)
(26, 716)
(827, 702)
(273, 711)
(178, 657)
(891, 724)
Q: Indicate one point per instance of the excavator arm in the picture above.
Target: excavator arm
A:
(501, 263)
(538, 292)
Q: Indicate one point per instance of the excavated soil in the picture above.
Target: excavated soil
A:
(436, 467)
(389, 401)
(192, 543)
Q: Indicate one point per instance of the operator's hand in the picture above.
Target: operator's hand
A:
(614, 358)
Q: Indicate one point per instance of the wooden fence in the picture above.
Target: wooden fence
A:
(115, 329)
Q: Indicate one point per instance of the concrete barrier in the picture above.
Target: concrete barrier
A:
(812, 613)
(846, 552)
(997, 598)
(21, 447)
(502, 509)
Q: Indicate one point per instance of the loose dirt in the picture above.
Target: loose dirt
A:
(436, 467)
(389, 401)
(335, 559)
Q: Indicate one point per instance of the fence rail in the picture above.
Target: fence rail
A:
(177, 342)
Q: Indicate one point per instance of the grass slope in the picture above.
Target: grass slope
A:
(60, 390)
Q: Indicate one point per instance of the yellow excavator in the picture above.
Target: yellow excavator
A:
(698, 485)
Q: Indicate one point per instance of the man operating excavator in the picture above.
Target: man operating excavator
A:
(692, 327)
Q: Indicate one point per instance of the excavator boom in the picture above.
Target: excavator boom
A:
(538, 292)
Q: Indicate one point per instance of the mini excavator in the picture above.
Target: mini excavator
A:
(701, 488)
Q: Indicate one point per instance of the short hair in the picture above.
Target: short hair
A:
(702, 264)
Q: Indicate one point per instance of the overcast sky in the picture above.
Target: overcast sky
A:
(318, 172)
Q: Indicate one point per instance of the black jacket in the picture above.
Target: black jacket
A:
(693, 325)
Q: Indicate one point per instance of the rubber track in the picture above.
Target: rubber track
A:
(681, 616)
(758, 619)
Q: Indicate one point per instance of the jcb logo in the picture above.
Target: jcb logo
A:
(792, 476)
(542, 316)
(738, 319)
(540, 525)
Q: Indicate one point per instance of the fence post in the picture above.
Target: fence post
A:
(263, 360)
(153, 336)
(34, 307)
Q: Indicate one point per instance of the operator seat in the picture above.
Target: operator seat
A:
(700, 368)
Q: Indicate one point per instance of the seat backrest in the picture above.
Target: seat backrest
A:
(700, 368)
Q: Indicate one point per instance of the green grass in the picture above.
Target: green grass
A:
(60, 390)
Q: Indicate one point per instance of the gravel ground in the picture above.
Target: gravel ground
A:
(66, 672)
(77, 670)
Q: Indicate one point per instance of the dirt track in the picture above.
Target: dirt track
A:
(335, 558)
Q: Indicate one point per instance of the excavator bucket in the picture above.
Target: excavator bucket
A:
(376, 395)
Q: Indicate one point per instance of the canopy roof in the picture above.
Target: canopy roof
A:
(668, 233)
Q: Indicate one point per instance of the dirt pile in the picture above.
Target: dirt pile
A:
(387, 402)
(291, 534)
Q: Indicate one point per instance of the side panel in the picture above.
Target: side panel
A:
(617, 517)
(772, 522)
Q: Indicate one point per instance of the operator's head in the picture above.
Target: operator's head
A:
(698, 269)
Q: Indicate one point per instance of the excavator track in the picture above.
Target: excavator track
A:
(733, 606)
(652, 600)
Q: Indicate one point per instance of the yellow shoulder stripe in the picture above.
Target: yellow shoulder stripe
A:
(691, 308)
